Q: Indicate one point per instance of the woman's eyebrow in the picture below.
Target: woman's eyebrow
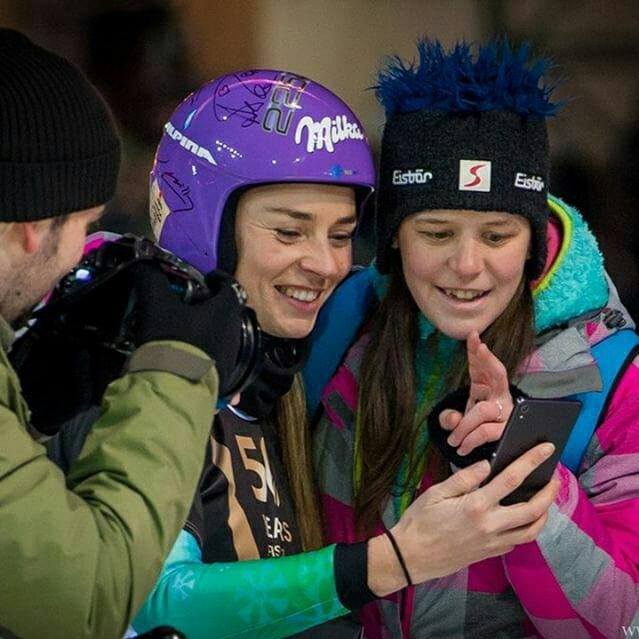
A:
(350, 219)
(294, 213)
(501, 223)
(431, 220)
(303, 215)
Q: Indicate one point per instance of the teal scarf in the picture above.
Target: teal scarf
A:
(434, 355)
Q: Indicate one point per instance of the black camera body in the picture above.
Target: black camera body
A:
(68, 315)
(111, 258)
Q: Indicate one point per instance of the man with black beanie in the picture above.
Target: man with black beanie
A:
(80, 553)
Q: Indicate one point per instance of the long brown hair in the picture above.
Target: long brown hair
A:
(386, 409)
(295, 437)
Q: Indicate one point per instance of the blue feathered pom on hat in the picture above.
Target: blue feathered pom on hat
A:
(498, 77)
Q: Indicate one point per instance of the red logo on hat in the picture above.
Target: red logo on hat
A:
(473, 171)
(470, 178)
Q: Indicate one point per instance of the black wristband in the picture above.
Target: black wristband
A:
(351, 575)
(400, 557)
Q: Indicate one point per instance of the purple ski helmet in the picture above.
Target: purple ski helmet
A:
(246, 129)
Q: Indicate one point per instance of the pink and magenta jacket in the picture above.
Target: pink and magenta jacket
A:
(580, 578)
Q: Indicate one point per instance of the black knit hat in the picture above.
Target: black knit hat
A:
(464, 132)
(59, 150)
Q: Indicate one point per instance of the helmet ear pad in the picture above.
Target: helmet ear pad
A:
(226, 246)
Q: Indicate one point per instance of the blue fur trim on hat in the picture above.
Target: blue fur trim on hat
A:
(498, 77)
(578, 284)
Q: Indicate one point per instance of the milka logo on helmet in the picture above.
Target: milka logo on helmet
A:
(411, 176)
(188, 144)
(529, 182)
(474, 175)
(326, 133)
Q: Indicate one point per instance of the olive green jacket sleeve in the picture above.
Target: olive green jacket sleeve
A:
(79, 556)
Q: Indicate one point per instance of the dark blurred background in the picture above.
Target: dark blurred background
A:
(146, 55)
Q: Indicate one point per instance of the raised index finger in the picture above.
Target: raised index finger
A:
(485, 368)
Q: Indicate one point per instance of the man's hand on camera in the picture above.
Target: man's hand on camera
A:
(213, 325)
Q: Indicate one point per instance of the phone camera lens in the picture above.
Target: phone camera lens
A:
(524, 409)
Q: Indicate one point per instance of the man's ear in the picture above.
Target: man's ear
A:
(31, 234)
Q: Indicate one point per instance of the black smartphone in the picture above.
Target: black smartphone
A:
(532, 422)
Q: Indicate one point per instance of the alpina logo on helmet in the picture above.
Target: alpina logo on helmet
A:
(529, 182)
(474, 175)
(411, 176)
(326, 133)
(188, 144)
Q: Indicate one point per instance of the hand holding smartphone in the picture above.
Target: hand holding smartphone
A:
(532, 422)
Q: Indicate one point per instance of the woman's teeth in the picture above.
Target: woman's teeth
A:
(303, 295)
(462, 294)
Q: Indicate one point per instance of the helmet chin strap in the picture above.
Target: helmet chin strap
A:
(283, 359)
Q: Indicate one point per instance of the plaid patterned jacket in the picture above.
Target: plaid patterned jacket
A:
(581, 577)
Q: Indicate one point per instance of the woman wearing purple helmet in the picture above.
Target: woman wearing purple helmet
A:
(262, 174)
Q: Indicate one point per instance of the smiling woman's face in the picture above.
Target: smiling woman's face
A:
(294, 247)
(463, 267)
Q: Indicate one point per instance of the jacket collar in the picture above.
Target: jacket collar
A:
(7, 335)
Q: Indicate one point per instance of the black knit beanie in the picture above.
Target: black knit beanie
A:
(59, 150)
(464, 132)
